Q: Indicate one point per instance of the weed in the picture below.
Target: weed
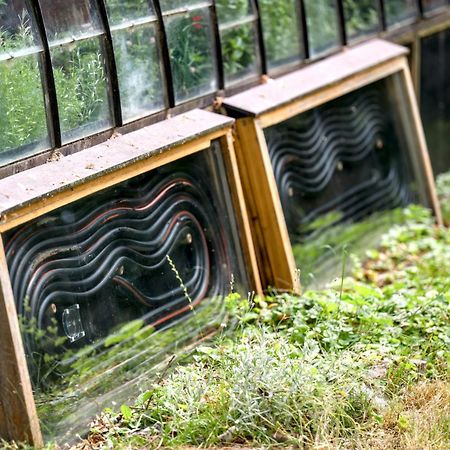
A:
(364, 363)
(328, 369)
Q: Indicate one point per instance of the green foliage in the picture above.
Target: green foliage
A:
(79, 72)
(22, 113)
(320, 255)
(260, 388)
(331, 366)
(80, 80)
(108, 370)
(398, 10)
(322, 22)
(138, 70)
(239, 51)
(231, 10)
(121, 10)
(189, 41)
(281, 27)
(398, 300)
(361, 16)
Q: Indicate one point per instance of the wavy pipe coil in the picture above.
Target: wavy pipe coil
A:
(343, 156)
(153, 248)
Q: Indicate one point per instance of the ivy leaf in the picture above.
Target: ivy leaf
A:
(127, 413)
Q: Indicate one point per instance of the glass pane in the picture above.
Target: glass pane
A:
(281, 31)
(167, 5)
(192, 57)
(120, 11)
(361, 17)
(398, 11)
(430, 5)
(81, 88)
(239, 39)
(68, 19)
(109, 287)
(322, 22)
(17, 29)
(138, 70)
(23, 123)
(233, 10)
(435, 97)
(342, 171)
(240, 52)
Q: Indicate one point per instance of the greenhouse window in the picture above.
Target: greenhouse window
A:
(430, 6)
(329, 155)
(322, 23)
(342, 177)
(400, 12)
(114, 258)
(239, 40)
(192, 48)
(134, 30)
(23, 121)
(361, 18)
(282, 33)
(77, 48)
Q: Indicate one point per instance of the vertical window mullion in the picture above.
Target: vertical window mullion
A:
(382, 16)
(304, 30)
(49, 80)
(341, 19)
(262, 46)
(163, 45)
(218, 47)
(111, 65)
(420, 8)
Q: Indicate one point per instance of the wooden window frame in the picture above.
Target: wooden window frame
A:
(37, 191)
(286, 97)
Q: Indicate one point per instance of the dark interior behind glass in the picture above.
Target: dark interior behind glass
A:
(108, 288)
(435, 97)
(341, 170)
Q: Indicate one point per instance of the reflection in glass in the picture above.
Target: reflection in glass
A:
(238, 36)
(110, 286)
(322, 22)
(68, 19)
(167, 5)
(122, 11)
(430, 5)
(281, 32)
(435, 97)
(133, 30)
(398, 11)
(191, 47)
(361, 17)
(81, 89)
(341, 170)
(76, 42)
(23, 124)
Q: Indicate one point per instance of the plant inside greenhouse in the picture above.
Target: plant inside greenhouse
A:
(224, 224)
(238, 34)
